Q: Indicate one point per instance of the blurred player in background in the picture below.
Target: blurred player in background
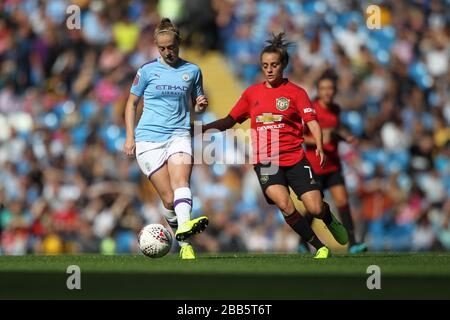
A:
(162, 141)
(330, 175)
(279, 105)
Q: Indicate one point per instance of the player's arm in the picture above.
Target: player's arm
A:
(327, 134)
(309, 116)
(239, 113)
(316, 132)
(309, 140)
(199, 100)
(221, 124)
(130, 114)
(343, 133)
(326, 137)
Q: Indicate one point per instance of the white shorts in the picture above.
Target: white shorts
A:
(151, 156)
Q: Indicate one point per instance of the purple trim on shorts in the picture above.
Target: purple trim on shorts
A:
(150, 174)
(178, 152)
(185, 200)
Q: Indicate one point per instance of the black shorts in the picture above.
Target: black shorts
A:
(331, 179)
(299, 177)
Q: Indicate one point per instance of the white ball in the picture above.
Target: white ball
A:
(155, 240)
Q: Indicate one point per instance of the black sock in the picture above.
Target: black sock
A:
(315, 242)
(304, 243)
(309, 217)
(300, 225)
(347, 221)
(326, 214)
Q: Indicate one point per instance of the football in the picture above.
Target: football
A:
(155, 240)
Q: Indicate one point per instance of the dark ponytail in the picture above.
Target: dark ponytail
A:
(278, 45)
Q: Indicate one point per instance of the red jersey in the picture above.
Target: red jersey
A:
(276, 120)
(328, 119)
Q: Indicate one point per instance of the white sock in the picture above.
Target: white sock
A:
(182, 204)
(172, 221)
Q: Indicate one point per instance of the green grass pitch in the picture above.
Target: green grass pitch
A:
(227, 276)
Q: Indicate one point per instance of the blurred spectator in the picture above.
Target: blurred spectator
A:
(198, 23)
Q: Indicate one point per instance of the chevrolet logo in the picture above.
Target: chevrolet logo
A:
(269, 118)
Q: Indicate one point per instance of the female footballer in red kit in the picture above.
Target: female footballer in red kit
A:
(330, 176)
(277, 108)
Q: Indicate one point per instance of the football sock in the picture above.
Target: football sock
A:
(347, 221)
(182, 204)
(309, 217)
(326, 214)
(171, 218)
(300, 225)
(172, 221)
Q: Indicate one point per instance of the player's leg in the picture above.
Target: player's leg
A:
(339, 194)
(340, 197)
(151, 160)
(275, 190)
(150, 157)
(318, 208)
(160, 180)
(303, 244)
(321, 179)
(180, 167)
(305, 184)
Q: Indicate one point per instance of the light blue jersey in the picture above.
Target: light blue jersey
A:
(166, 92)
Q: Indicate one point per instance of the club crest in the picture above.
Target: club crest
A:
(282, 103)
(185, 76)
(264, 179)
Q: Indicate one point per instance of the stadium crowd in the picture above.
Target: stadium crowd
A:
(65, 186)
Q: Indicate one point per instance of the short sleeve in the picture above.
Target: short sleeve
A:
(139, 83)
(241, 111)
(304, 106)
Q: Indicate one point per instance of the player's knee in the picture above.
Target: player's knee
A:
(315, 208)
(285, 205)
(340, 202)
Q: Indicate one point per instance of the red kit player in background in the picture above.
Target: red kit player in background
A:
(277, 108)
(330, 175)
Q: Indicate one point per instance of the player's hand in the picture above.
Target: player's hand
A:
(129, 146)
(322, 157)
(201, 103)
(352, 139)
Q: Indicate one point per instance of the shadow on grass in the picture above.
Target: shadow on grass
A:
(17, 285)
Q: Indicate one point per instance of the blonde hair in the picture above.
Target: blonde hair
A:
(166, 26)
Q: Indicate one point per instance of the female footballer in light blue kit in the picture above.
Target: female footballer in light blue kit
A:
(162, 141)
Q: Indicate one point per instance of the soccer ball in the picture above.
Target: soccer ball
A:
(155, 240)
